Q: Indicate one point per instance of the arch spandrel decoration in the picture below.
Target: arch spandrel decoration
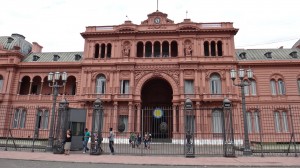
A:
(220, 72)
(142, 76)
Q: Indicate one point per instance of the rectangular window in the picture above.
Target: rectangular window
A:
(16, 119)
(123, 120)
(100, 86)
(246, 90)
(273, 87)
(1, 84)
(253, 88)
(277, 121)
(217, 122)
(249, 122)
(215, 87)
(298, 82)
(45, 119)
(281, 88)
(188, 87)
(285, 126)
(256, 122)
(124, 87)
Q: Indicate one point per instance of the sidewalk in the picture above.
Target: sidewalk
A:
(153, 160)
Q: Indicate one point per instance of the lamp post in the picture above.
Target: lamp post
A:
(242, 84)
(53, 82)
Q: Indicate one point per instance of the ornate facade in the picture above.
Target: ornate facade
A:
(157, 63)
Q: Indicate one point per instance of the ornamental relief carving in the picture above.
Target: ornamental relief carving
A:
(157, 73)
(220, 72)
(160, 67)
(188, 73)
(188, 67)
(95, 74)
(125, 74)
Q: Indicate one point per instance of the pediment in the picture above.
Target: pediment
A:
(157, 18)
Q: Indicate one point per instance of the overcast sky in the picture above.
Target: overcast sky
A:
(57, 24)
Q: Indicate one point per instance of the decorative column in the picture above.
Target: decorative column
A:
(197, 120)
(115, 116)
(30, 88)
(130, 117)
(42, 83)
(138, 125)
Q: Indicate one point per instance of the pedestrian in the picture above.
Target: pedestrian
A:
(68, 141)
(87, 135)
(111, 139)
(139, 140)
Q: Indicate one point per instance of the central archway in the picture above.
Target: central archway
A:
(156, 96)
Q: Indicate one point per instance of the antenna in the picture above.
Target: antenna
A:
(127, 17)
(157, 6)
(186, 14)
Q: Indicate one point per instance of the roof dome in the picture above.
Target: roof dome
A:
(297, 44)
(9, 42)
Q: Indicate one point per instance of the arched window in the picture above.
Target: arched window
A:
(219, 47)
(206, 48)
(215, 84)
(174, 49)
(277, 87)
(156, 49)
(100, 84)
(19, 118)
(140, 49)
(148, 49)
(1, 83)
(213, 48)
(102, 50)
(165, 49)
(217, 125)
(96, 49)
(108, 54)
(273, 87)
(281, 87)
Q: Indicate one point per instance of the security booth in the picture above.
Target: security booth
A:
(189, 115)
(228, 134)
(96, 134)
(62, 124)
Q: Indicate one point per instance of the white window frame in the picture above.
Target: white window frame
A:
(188, 86)
(19, 118)
(124, 87)
(281, 87)
(298, 84)
(100, 84)
(281, 121)
(273, 87)
(1, 83)
(215, 84)
(249, 121)
(217, 126)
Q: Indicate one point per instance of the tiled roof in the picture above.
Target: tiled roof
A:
(48, 57)
(25, 46)
(260, 54)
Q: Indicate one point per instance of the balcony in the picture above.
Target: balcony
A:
(94, 96)
(218, 97)
(125, 97)
(43, 97)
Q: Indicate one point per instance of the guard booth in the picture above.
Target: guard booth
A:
(96, 134)
(62, 122)
(228, 134)
(189, 115)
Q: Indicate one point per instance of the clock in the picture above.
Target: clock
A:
(157, 20)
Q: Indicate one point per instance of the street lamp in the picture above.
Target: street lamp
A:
(242, 84)
(53, 82)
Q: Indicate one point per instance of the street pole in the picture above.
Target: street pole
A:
(247, 151)
(54, 80)
(51, 136)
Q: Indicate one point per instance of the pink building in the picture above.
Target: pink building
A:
(158, 63)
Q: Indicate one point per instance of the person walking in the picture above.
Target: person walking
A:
(87, 135)
(111, 139)
(68, 141)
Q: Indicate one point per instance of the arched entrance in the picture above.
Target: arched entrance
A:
(157, 95)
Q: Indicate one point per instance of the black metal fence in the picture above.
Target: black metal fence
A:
(161, 131)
